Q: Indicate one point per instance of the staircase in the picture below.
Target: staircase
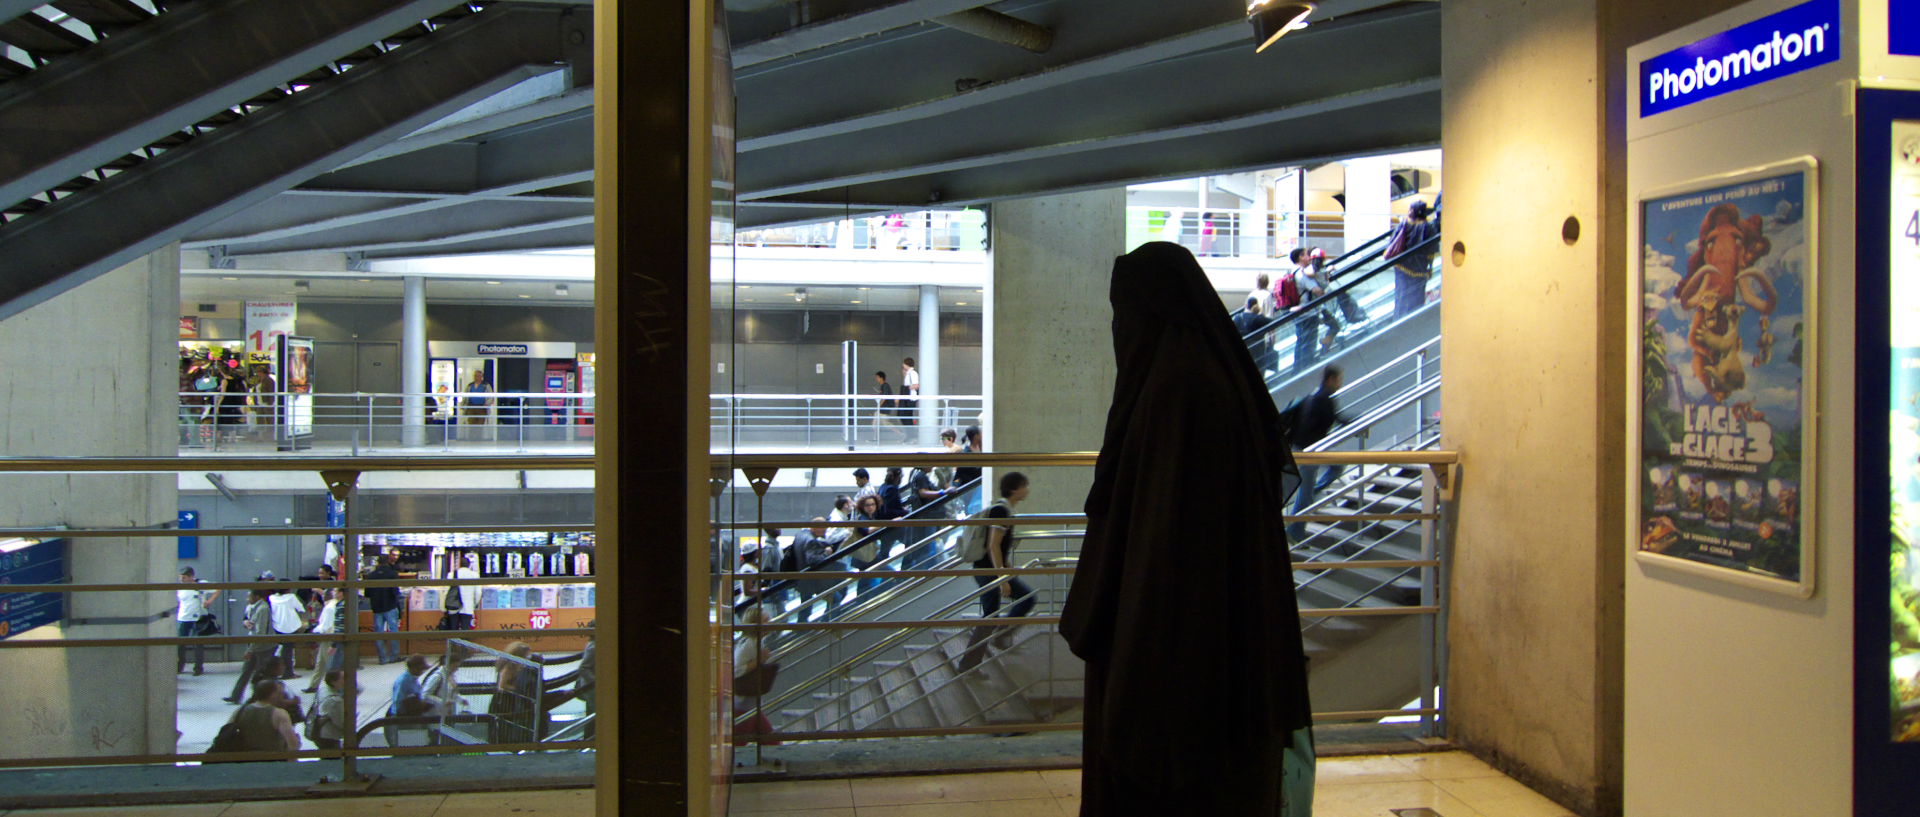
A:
(915, 681)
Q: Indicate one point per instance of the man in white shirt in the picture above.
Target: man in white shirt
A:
(192, 607)
(289, 617)
(469, 593)
(909, 387)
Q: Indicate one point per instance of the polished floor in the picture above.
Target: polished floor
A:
(1444, 784)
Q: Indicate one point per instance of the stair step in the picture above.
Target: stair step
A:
(862, 708)
(947, 694)
(992, 687)
(903, 698)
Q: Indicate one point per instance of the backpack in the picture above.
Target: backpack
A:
(228, 739)
(1400, 242)
(313, 721)
(1286, 293)
(975, 547)
(1290, 417)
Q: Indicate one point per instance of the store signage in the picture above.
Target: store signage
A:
(267, 322)
(26, 561)
(1903, 27)
(502, 349)
(1775, 46)
(539, 619)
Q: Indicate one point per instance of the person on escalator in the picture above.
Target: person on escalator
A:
(1349, 310)
(1292, 294)
(1415, 259)
(922, 494)
(1248, 319)
(1310, 418)
(1262, 296)
(893, 505)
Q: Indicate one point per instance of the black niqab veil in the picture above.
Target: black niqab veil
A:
(1183, 604)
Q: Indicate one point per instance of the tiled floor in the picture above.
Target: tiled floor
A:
(1452, 784)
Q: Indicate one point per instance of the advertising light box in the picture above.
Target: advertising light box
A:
(1904, 435)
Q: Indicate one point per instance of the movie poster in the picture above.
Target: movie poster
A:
(1725, 289)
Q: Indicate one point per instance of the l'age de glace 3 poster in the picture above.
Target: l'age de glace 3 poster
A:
(1727, 275)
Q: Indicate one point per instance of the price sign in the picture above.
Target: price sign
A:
(267, 322)
(539, 619)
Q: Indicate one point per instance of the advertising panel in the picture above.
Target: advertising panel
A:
(1904, 435)
(266, 323)
(1903, 27)
(1727, 285)
(296, 361)
(31, 561)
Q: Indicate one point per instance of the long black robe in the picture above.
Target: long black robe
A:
(1183, 604)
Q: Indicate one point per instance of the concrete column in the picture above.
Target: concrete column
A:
(929, 360)
(1369, 198)
(1049, 333)
(1535, 92)
(413, 360)
(94, 372)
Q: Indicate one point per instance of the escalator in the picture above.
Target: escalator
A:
(905, 681)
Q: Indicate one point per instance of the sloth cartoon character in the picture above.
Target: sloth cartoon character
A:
(1720, 279)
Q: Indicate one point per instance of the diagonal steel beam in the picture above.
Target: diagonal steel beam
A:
(1371, 96)
(183, 190)
(846, 28)
(576, 102)
(414, 208)
(435, 242)
(1178, 45)
(177, 69)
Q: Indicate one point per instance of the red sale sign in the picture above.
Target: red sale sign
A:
(539, 619)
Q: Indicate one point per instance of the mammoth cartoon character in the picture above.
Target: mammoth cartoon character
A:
(1720, 279)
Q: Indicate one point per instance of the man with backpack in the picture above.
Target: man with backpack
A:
(991, 548)
(1308, 419)
(1296, 286)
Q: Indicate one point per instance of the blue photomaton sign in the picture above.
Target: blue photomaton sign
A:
(1903, 27)
(1774, 46)
(25, 561)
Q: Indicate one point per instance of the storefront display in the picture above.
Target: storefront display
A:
(1904, 433)
(1727, 278)
(564, 557)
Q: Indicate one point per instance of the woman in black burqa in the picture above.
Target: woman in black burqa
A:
(1183, 604)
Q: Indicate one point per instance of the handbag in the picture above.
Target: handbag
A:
(228, 739)
(208, 624)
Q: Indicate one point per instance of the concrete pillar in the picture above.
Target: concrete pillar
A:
(94, 372)
(1049, 333)
(413, 360)
(929, 359)
(1369, 198)
(1535, 92)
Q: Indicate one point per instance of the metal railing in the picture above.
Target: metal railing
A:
(909, 657)
(1358, 304)
(937, 230)
(340, 478)
(363, 422)
(1254, 234)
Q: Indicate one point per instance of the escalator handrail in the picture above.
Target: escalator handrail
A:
(919, 512)
(1386, 264)
(1339, 267)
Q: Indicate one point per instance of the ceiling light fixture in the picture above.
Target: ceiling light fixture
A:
(561, 290)
(1272, 20)
(853, 302)
(962, 303)
(228, 278)
(493, 283)
(800, 295)
(524, 295)
(301, 286)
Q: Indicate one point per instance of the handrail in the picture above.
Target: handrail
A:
(1380, 413)
(1290, 317)
(1382, 368)
(871, 538)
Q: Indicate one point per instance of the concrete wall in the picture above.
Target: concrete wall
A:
(1050, 333)
(1533, 134)
(91, 373)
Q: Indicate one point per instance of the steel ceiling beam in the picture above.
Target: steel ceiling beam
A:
(132, 213)
(578, 101)
(425, 205)
(180, 68)
(1274, 116)
(1179, 45)
(846, 28)
(439, 241)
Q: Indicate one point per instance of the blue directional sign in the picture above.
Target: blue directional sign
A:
(25, 561)
(189, 545)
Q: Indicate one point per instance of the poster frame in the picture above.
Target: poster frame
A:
(1804, 587)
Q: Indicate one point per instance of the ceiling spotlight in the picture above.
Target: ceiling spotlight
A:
(853, 301)
(301, 286)
(364, 280)
(228, 278)
(799, 295)
(493, 283)
(561, 290)
(1272, 20)
(961, 303)
(524, 295)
